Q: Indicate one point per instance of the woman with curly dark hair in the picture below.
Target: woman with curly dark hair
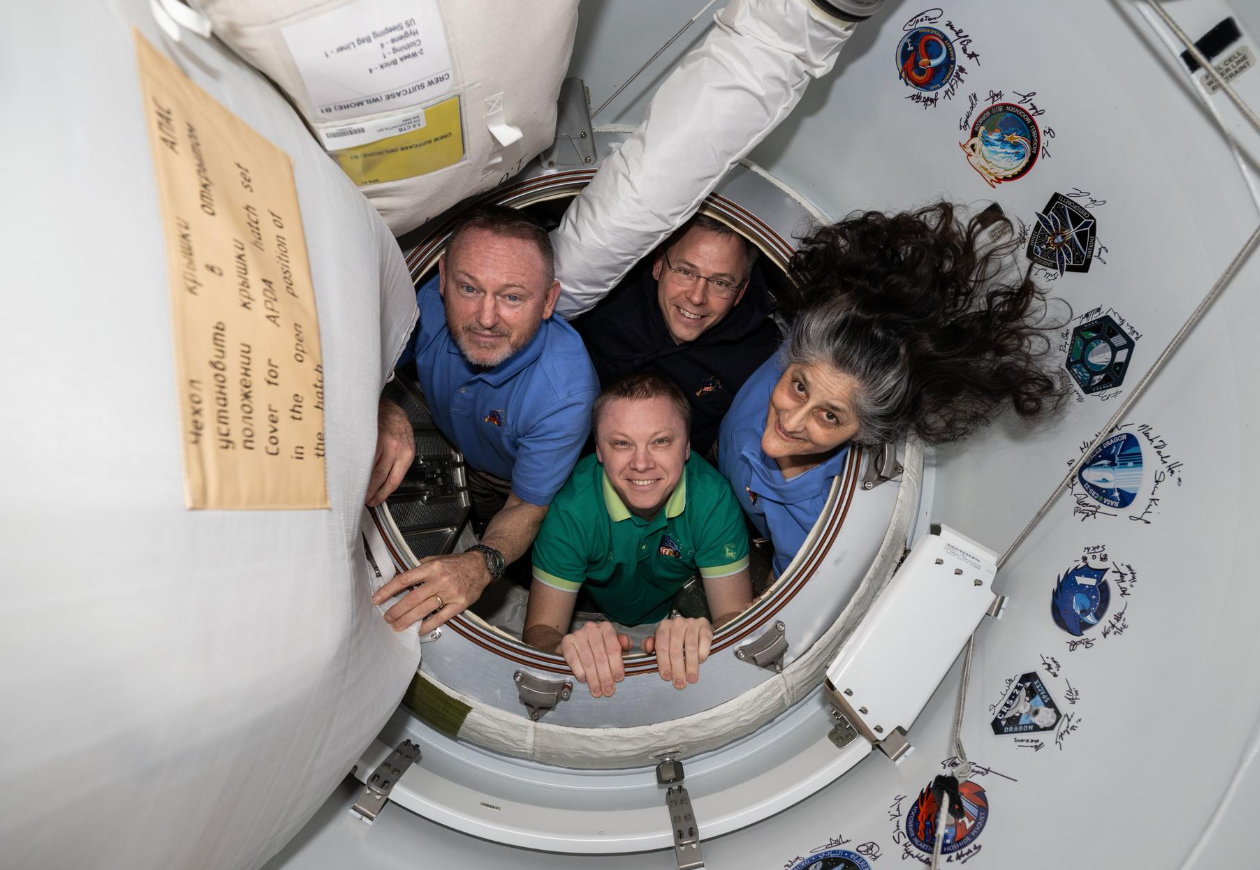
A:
(913, 323)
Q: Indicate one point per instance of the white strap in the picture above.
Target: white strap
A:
(175, 17)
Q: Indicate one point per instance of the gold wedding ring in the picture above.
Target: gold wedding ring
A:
(440, 604)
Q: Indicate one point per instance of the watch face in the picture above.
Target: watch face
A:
(494, 559)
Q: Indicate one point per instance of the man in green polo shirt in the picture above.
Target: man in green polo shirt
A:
(632, 524)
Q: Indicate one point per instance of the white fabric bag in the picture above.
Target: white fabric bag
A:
(180, 688)
(423, 102)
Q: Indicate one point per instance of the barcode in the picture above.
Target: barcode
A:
(348, 131)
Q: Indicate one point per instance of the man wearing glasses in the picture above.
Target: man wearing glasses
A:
(700, 316)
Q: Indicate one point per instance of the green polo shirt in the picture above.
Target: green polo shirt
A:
(631, 566)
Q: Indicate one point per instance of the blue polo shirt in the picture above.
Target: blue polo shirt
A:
(524, 420)
(782, 510)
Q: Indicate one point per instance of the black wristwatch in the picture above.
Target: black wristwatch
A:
(495, 563)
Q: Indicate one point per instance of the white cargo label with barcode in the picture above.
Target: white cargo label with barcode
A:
(371, 57)
(336, 137)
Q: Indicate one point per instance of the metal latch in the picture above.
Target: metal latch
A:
(766, 651)
(378, 786)
(882, 466)
(431, 480)
(687, 849)
(539, 695)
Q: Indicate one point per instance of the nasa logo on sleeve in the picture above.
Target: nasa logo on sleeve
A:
(925, 59)
(1080, 599)
(832, 859)
(1063, 237)
(1113, 474)
(1004, 143)
(1027, 708)
(1099, 354)
(959, 832)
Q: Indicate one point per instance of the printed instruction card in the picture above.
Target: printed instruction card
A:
(248, 366)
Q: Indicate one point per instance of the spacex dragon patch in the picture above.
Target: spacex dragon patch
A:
(1113, 473)
(1028, 708)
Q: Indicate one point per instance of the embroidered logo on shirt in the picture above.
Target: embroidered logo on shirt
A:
(729, 551)
(495, 417)
(752, 496)
(711, 385)
(669, 547)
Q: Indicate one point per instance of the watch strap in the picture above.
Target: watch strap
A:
(495, 563)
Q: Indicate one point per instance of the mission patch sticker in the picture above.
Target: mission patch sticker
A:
(1063, 237)
(832, 859)
(1080, 599)
(1027, 708)
(960, 830)
(1099, 354)
(925, 59)
(1004, 143)
(1113, 474)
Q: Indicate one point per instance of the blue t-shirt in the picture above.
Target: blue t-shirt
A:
(782, 510)
(524, 420)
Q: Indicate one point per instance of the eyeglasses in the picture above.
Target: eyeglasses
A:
(719, 287)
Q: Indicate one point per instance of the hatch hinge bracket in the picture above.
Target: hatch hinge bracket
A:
(574, 145)
(539, 695)
(895, 745)
(883, 466)
(687, 851)
(766, 651)
(842, 733)
(382, 781)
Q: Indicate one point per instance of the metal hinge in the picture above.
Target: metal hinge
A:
(382, 781)
(574, 145)
(687, 849)
(539, 695)
(842, 733)
(850, 723)
(895, 744)
(766, 651)
(882, 466)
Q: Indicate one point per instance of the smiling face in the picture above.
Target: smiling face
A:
(690, 310)
(496, 295)
(810, 414)
(643, 446)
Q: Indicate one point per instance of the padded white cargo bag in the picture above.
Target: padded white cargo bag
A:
(196, 682)
(421, 102)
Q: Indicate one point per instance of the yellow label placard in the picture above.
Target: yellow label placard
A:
(248, 365)
(436, 145)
